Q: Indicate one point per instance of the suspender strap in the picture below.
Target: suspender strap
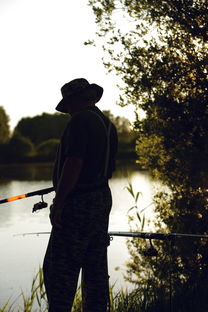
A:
(107, 155)
(107, 150)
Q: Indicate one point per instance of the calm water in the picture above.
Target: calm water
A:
(22, 255)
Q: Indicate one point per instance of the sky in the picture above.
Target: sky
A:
(42, 48)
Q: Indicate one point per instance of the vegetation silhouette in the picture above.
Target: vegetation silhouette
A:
(161, 57)
(36, 139)
(4, 126)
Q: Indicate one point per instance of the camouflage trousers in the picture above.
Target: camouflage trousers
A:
(81, 244)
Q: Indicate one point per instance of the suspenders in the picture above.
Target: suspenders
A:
(107, 149)
(107, 155)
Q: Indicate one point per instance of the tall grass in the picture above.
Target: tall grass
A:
(34, 302)
(120, 301)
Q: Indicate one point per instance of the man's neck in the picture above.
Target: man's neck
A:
(82, 108)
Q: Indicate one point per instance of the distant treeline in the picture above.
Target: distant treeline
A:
(37, 138)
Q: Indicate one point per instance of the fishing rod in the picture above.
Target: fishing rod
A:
(144, 235)
(37, 206)
(148, 252)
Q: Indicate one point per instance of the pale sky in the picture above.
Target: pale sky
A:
(41, 49)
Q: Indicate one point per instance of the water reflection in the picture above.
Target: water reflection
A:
(30, 177)
(28, 172)
(43, 171)
(19, 262)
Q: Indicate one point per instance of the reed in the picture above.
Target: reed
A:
(34, 302)
(120, 301)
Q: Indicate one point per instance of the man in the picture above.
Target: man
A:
(80, 211)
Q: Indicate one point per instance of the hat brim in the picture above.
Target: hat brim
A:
(98, 91)
(61, 106)
(94, 93)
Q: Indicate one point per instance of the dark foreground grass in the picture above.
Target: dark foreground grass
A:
(121, 301)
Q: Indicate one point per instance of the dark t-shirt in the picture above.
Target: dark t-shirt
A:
(86, 137)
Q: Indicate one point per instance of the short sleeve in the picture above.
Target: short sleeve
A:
(75, 137)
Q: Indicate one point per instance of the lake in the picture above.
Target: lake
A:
(21, 255)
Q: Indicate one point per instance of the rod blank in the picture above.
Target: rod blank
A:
(39, 192)
(144, 235)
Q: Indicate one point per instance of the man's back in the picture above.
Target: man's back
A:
(86, 137)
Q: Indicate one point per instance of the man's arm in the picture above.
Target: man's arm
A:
(69, 177)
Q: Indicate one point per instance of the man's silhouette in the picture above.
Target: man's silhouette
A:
(80, 212)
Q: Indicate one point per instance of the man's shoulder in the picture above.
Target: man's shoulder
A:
(87, 116)
(82, 115)
(85, 119)
(77, 119)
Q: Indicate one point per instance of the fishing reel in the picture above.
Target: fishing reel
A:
(40, 205)
(151, 251)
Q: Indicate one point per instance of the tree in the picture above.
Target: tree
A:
(48, 148)
(126, 136)
(42, 127)
(161, 57)
(45, 130)
(164, 73)
(4, 126)
(122, 124)
(19, 147)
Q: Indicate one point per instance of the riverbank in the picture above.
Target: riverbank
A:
(123, 155)
(38, 170)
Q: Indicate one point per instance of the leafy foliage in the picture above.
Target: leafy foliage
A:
(48, 148)
(159, 50)
(19, 146)
(161, 57)
(4, 126)
(37, 138)
(42, 127)
(126, 136)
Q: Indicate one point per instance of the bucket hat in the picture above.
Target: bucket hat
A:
(79, 87)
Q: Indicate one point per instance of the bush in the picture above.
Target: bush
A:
(48, 148)
(19, 147)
